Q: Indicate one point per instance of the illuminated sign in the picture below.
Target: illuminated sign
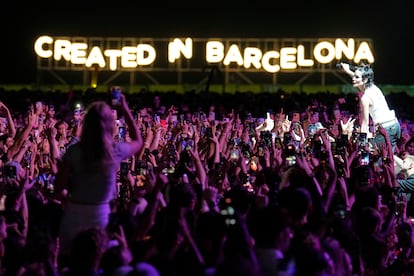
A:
(260, 55)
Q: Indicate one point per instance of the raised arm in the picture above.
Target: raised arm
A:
(24, 135)
(346, 68)
(134, 132)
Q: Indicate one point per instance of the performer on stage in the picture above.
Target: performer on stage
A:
(373, 104)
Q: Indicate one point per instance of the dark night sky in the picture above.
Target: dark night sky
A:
(388, 23)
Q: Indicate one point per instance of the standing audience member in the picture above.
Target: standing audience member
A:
(86, 177)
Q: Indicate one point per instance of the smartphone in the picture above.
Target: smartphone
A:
(290, 160)
(168, 170)
(311, 130)
(236, 141)
(317, 148)
(187, 144)
(362, 140)
(340, 147)
(141, 171)
(278, 143)
(10, 172)
(116, 95)
(209, 132)
(228, 213)
(371, 144)
(252, 129)
(141, 167)
(122, 133)
(157, 119)
(234, 154)
(297, 127)
(78, 109)
(266, 137)
(190, 145)
(290, 155)
(377, 165)
(50, 184)
(247, 153)
(364, 158)
(261, 148)
(290, 150)
(287, 138)
(28, 158)
(124, 168)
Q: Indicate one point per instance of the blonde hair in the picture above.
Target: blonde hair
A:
(97, 135)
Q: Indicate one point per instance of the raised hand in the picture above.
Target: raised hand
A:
(348, 127)
(286, 124)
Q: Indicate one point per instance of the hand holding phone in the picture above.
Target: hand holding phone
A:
(122, 133)
(10, 171)
(362, 140)
(115, 95)
(234, 154)
(141, 167)
(157, 119)
(290, 155)
(278, 143)
(364, 158)
(312, 130)
(209, 132)
(124, 169)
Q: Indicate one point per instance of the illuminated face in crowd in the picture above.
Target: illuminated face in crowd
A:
(410, 148)
(314, 117)
(62, 129)
(9, 142)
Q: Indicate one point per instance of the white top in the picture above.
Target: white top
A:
(378, 110)
(94, 187)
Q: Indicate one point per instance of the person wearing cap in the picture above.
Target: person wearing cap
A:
(373, 104)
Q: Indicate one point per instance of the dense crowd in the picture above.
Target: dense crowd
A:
(244, 184)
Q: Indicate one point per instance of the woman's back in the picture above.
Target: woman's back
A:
(91, 183)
